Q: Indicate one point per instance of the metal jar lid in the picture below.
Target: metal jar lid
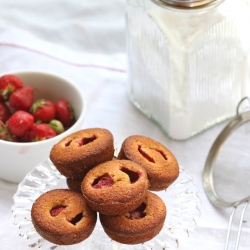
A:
(188, 4)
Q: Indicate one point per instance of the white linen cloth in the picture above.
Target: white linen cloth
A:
(85, 41)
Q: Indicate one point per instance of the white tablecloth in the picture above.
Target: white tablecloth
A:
(85, 41)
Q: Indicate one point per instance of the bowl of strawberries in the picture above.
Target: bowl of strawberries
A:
(37, 110)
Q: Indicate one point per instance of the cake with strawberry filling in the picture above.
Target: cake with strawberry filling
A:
(115, 187)
(75, 184)
(161, 165)
(78, 152)
(138, 225)
(63, 217)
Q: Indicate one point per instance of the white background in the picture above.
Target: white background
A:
(85, 41)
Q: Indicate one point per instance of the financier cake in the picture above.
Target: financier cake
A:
(161, 165)
(115, 187)
(77, 153)
(139, 225)
(63, 217)
(75, 184)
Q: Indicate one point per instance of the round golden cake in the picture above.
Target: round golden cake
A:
(161, 165)
(63, 217)
(115, 187)
(139, 225)
(78, 152)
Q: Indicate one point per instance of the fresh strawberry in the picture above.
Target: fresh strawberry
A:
(4, 112)
(24, 138)
(64, 113)
(20, 123)
(40, 132)
(5, 134)
(43, 110)
(22, 99)
(8, 84)
(57, 126)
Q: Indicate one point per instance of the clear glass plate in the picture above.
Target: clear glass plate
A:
(180, 198)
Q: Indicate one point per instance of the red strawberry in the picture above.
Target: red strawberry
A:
(64, 113)
(43, 110)
(4, 112)
(20, 123)
(40, 132)
(5, 134)
(24, 138)
(8, 84)
(22, 99)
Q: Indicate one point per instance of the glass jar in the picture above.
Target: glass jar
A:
(188, 61)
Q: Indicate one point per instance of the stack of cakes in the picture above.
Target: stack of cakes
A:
(117, 188)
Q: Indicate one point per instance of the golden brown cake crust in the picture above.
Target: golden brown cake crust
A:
(74, 184)
(123, 195)
(75, 154)
(161, 165)
(127, 231)
(72, 225)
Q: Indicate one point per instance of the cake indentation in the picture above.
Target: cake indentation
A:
(133, 176)
(76, 219)
(103, 182)
(56, 210)
(137, 213)
(145, 154)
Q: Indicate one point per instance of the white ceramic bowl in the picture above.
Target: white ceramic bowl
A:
(17, 159)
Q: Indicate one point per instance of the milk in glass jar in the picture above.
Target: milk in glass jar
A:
(188, 61)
